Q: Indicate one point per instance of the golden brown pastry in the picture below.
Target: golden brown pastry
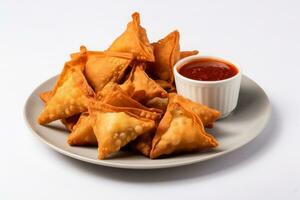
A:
(89, 54)
(140, 87)
(169, 87)
(113, 94)
(107, 98)
(115, 127)
(158, 103)
(134, 40)
(164, 84)
(77, 62)
(70, 97)
(82, 133)
(184, 54)
(143, 143)
(167, 53)
(109, 67)
(172, 89)
(70, 122)
(207, 115)
(180, 130)
(45, 96)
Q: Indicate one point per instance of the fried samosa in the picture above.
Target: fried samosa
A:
(144, 87)
(109, 67)
(45, 96)
(180, 130)
(68, 122)
(158, 103)
(71, 97)
(164, 84)
(82, 133)
(167, 53)
(115, 127)
(184, 54)
(143, 143)
(77, 61)
(113, 94)
(169, 87)
(134, 40)
(207, 115)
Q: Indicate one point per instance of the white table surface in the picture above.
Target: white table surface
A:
(262, 36)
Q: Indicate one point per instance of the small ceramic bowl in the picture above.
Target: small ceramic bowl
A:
(221, 95)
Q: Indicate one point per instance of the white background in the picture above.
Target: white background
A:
(36, 38)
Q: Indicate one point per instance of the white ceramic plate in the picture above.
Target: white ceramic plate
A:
(239, 128)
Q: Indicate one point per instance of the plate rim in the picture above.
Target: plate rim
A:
(106, 163)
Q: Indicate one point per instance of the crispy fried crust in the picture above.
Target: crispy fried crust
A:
(144, 87)
(135, 112)
(77, 62)
(113, 94)
(82, 133)
(207, 115)
(184, 54)
(158, 103)
(45, 96)
(88, 54)
(167, 53)
(180, 130)
(134, 83)
(70, 121)
(115, 127)
(109, 67)
(143, 143)
(134, 40)
(71, 97)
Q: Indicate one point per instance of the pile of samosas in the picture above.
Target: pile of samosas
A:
(126, 96)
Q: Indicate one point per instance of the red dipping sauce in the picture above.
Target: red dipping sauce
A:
(208, 69)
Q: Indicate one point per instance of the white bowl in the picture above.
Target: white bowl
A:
(221, 95)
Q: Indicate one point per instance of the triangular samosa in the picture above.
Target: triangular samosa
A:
(115, 127)
(82, 133)
(134, 40)
(167, 53)
(109, 67)
(207, 115)
(144, 87)
(71, 97)
(113, 94)
(180, 131)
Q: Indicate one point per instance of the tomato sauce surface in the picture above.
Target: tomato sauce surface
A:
(208, 70)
